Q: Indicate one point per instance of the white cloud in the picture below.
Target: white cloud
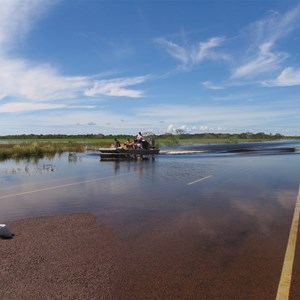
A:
(204, 51)
(203, 127)
(175, 50)
(19, 78)
(35, 83)
(116, 87)
(183, 127)
(217, 116)
(278, 26)
(211, 85)
(265, 61)
(262, 37)
(22, 107)
(22, 79)
(288, 77)
(170, 128)
(16, 19)
(199, 128)
(189, 57)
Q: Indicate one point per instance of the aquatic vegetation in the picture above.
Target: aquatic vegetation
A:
(40, 146)
(37, 150)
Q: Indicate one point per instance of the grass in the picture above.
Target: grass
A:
(26, 147)
(38, 150)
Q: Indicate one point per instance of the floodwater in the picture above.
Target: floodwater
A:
(196, 222)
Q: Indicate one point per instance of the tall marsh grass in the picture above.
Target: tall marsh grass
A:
(37, 150)
(34, 147)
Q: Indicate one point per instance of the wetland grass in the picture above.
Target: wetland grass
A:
(37, 150)
(39, 146)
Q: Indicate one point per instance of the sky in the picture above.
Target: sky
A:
(119, 67)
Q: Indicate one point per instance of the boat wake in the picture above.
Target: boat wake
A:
(259, 148)
(182, 152)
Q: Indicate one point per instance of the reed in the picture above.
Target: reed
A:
(32, 146)
(37, 150)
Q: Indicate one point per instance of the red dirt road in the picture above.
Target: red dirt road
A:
(74, 257)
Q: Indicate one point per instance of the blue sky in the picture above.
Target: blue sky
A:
(88, 66)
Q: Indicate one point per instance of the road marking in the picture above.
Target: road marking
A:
(61, 186)
(203, 178)
(286, 273)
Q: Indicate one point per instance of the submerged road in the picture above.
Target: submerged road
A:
(187, 227)
(288, 264)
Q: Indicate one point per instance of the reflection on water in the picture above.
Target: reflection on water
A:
(206, 219)
(236, 186)
(73, 157)
(25, 167)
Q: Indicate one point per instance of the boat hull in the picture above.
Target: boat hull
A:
(126, 154)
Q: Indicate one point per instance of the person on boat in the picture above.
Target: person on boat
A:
(117, 143)
(139, 137)
(129, 144)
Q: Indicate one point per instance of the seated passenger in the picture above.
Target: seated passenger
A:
(117, 143)
(129, 144)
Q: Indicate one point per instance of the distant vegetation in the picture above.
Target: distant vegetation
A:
(220, 138)
(38, 146)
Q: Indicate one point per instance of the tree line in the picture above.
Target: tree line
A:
(179, 133)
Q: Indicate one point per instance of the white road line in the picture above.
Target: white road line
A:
(45, 181)
(203, 178)
(286, 273)
(62, 186)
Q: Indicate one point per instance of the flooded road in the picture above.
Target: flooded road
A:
(197, 223)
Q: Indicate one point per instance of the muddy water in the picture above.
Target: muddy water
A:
(196, 225)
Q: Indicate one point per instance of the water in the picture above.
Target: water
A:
(172, 181)
(253, 147)
(208, 220)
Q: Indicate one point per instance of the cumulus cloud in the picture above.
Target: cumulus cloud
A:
(170, 128)
(217, 116)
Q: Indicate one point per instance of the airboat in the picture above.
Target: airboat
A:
(131, 151)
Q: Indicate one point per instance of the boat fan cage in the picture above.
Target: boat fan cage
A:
(150, 138)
